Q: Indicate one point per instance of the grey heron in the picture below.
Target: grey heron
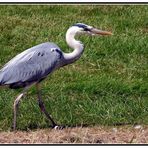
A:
(35, 64)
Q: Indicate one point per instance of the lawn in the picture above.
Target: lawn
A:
(108, 85)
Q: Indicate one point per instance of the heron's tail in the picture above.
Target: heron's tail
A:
(1, 78)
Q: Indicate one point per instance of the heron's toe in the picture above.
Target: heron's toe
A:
(57, 127)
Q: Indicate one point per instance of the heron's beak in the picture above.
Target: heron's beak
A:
(100, 32)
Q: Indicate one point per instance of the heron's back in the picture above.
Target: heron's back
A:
(32, 65)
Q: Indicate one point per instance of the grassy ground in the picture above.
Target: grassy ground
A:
(98, 135)
(107, 86)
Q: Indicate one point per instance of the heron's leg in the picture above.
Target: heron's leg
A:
(16, 105)
(42, 107)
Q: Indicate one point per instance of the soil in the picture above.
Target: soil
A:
(79, 135)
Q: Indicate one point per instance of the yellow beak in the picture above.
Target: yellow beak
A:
(100, 32)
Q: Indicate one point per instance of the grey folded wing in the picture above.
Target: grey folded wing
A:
(32, 65)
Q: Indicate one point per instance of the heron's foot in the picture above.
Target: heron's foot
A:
(58, 127)
(13, 128)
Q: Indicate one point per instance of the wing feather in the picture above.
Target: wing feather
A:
(31, 65)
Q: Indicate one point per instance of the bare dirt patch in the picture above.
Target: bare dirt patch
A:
(124, 134)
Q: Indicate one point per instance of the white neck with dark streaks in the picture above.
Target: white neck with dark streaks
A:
(76, 45)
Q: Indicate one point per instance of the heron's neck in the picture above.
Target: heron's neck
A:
(76, 45)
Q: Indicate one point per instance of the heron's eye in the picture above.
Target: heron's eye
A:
(86, 29)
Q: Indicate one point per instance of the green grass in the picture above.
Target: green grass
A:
(108, 85)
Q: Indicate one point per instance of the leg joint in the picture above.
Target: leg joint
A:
(17, 100)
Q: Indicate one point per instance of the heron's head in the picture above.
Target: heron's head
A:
(83, 28)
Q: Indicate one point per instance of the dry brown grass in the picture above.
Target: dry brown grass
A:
(124, 134)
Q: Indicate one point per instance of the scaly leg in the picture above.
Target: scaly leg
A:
(42, 107)
(16, 105)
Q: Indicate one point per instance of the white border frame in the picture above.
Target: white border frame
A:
(75, 1)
